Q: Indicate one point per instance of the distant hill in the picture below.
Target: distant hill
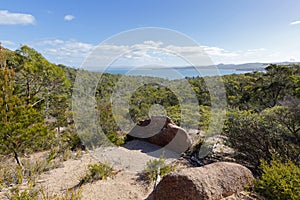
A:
(241, 67)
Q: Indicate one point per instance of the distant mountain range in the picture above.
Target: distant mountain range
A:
(238, 67)
(242, 67)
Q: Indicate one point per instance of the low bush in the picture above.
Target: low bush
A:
(17, 194)
(279, 180)
(41, 194)
(156, 166)
(72, 141)
(68, 195)
(96, 172)
(255, 136)
(116, 139)
(12, 174)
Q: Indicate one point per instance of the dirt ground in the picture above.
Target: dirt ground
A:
(128, 161)
(124, 185)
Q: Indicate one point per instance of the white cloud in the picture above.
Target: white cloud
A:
(255, 50)
(295, 22)
(69, 17)
(69, 52)
(7, 43)
(74, 53)
(8, 18)
(217, 51)
(151, 43)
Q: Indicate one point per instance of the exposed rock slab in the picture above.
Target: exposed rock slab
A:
(133, 156)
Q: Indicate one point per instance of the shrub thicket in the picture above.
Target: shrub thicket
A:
(279, 180)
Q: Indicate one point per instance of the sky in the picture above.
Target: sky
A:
(229, 31)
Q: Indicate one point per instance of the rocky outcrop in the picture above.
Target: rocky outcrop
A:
(162, 131)
(211, 182)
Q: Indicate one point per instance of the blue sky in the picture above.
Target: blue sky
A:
(232, 31)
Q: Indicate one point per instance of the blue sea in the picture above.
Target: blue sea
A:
(177, 73)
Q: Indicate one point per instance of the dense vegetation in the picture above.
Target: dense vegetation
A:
(263, 110)
(279, 180)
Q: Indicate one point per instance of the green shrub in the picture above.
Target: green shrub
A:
(197, 146)
(72, 140)
(115, 139)
(12, 174)
(41, 194)
(96, 172)
(152, 167)
(9, 174)
(279, 180)
(255, 136)
(16, 194)
(67, 195)
(33, 168)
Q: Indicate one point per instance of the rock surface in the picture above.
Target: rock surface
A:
(211, 182)
(162, 131)
(133, 156)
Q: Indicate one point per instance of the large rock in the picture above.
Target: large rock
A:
(162, 131)
(211, 182)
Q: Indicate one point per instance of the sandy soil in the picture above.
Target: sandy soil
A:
(124, 185)
(61, 179)
(128, 161)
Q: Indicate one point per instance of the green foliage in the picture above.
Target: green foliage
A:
(69, 139)
(43, 85)
(148, 95)
(38, 79)
(205, 118)
(116, 139)
(197, 146)
(257, 136)
(288, 116)
(74, 142)
(279, 180)
(17, 194)
(22, 127)
(250, 136)
(97, 172)
(40, 194)
(199, 86)
(68, 195)
(154, 165)
(12, 174)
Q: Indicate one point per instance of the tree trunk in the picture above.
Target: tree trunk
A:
(28, 91)
(17, 158)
